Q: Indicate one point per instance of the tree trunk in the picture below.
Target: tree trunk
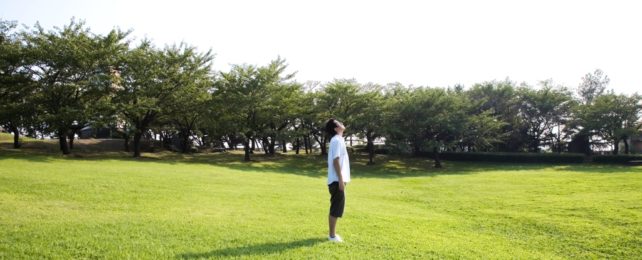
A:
(306, 144)
(371, 150)
(321, 142)
(285, 148)
(16, 137)
(253, 144)
(127, 137)
(137, 137)
(265, 145)
(272, 143)
(246, 147)
(297, 145)
(231, 143)
(536, 142)
(437, 160)
(62, 139)
(186, 146)
(416, 148)
(626, 146)
(72, 136)
(616, 147)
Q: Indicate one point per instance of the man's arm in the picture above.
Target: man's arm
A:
(337, 171)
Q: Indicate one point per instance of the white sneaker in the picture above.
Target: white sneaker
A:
(335, 239)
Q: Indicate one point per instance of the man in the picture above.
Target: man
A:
(338, 174)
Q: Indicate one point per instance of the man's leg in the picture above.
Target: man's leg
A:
(333, 224)
(337, 202)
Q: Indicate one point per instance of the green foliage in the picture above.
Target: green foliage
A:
(340, 99)
(16, 89)
(501, 101)
(593, 85)
(433, 119)
(262, 99)
(369, 122)
(73, 70)
(378, 149)
(55, 82)
(280, 111)
(544, 111)
(190, 104)
(420, 117)
(612, 117)
(172, 83)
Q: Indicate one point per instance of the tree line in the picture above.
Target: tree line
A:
(58, 81)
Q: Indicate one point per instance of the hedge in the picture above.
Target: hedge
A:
(619, 159)
(513, 157)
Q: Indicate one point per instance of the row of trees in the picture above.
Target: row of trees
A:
(56, 82)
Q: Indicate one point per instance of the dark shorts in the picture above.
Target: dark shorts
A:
(337, 200)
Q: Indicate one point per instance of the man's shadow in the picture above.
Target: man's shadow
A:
(259, 249)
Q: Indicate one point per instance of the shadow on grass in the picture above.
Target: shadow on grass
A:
(314, 165)
(21, 154)
(259, 249)
(600, 168)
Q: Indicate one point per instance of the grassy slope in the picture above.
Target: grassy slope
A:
(216, 206)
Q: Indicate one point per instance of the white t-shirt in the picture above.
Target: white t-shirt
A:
(338, 149)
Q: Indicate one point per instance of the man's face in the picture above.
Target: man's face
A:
(340, 127)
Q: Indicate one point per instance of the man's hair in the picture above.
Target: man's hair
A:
(330, 126)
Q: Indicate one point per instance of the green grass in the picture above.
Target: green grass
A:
(8, 137)
(214, 205)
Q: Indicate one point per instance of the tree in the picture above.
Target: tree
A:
(422, 120)
(309, 121)
(593, 85)
(402, 135)
(500, 100)
(73, 72)
(369, 122)
(279, 104)
(153, 82)
(544, 111)
(189, 105)
(437, 120)
(481, 131)
(338, 99)
(241, 87)
(612, 117)
(16, 87)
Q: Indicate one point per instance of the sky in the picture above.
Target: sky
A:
(420, 43)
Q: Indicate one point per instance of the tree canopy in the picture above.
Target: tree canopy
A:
(59, 81)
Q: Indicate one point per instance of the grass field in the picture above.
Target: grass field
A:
(214, 206)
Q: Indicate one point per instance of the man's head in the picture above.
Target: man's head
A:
(334, 127)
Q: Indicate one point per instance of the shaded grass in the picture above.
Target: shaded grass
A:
(169, 205)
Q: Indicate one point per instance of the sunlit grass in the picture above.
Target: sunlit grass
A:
(214, 205)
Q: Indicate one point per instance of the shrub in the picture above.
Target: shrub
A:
(509, 157)
(379, 149)
(616, 159)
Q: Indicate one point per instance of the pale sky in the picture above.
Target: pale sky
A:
(429, 43)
